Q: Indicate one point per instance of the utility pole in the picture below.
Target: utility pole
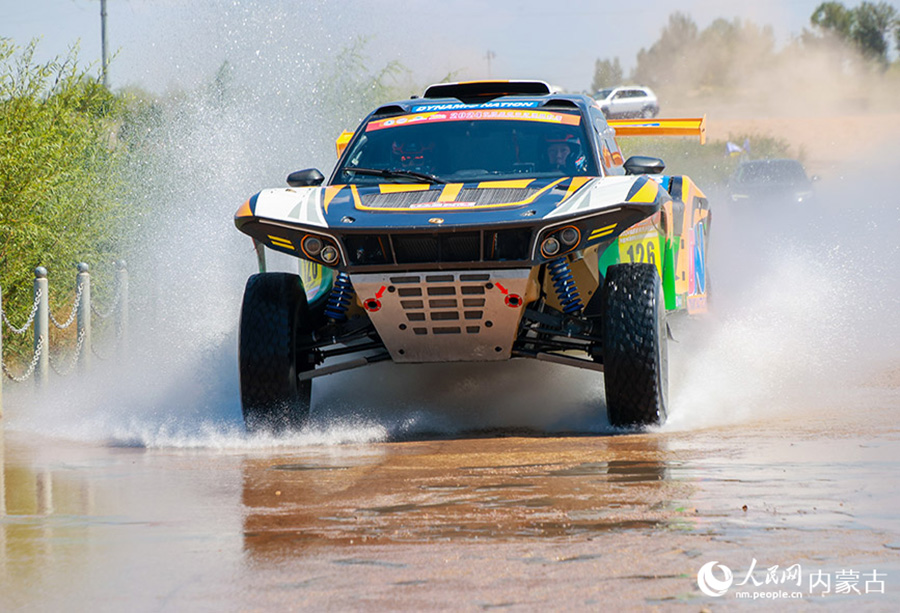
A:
(103, 59)
(490, 55)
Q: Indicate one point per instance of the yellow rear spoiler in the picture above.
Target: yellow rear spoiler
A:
(342, 141)
(661, 127)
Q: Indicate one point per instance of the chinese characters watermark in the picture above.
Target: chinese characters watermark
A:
(715, 579)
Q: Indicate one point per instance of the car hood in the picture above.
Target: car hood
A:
(454, 204)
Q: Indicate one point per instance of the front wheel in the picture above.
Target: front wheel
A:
(635, 353)
(274, 314)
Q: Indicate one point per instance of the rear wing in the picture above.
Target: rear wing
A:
(660, 127)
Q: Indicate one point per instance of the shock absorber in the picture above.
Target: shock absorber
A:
(565, 287)
(339, 299)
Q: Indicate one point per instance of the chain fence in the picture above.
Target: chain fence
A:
(82, 312)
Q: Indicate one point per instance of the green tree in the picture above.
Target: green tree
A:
(607, 73)
(719, 57)
(59, 174)
(662, 62)
(727, 51)
(874, 25)
(833, 17)
(867, 27)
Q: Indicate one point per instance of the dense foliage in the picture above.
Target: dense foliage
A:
(59, 176)
(868, 28)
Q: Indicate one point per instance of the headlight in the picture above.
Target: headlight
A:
(321, 249)
(560, 241)
(550, 246)
(313, 245)
(569, 236)
(329, 255)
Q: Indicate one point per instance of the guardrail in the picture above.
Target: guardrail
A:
(81, 315)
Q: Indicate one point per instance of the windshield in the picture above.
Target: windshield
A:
(470, 145)
(604, 93)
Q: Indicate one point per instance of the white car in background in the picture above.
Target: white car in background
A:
(631, 101)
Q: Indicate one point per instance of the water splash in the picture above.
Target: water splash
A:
(807, 301)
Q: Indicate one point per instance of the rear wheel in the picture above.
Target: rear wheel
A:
(635, 356)
(273, 316)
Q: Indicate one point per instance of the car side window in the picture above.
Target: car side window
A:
(610, 154)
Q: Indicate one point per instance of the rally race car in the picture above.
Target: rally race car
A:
(482, 222)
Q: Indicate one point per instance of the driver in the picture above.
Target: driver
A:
(564, 153)
(414, 155)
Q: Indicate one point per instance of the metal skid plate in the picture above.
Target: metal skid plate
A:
(445, 316)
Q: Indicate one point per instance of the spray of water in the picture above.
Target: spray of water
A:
(804, 306)
(804, 298)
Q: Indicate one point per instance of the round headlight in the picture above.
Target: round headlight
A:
(569, 236)
(550, 246)
(329, 255)
(313, 245)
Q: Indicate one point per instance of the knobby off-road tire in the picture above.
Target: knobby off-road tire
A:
(273, 316)
(635, 355)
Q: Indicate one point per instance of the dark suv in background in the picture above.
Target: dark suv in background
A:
(773, 181)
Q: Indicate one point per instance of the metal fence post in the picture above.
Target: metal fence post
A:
(122, 312)
(42, 327)
(1, 401)
(83, 281)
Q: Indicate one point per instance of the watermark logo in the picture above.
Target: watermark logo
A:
(710, 584)
(716, 579)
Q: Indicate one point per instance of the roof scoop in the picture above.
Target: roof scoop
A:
(484, 91)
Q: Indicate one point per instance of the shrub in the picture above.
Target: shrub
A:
(60, 181)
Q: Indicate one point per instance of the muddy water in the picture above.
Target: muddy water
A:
(472, 522)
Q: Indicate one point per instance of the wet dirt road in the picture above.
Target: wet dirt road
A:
(472, 522)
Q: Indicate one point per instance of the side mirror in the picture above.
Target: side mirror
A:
(644, 165)
(305, 178)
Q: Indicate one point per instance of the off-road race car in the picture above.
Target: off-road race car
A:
(484, 221)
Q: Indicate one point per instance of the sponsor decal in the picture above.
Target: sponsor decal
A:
(459, 106)
(475, 114)
(440, 205)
